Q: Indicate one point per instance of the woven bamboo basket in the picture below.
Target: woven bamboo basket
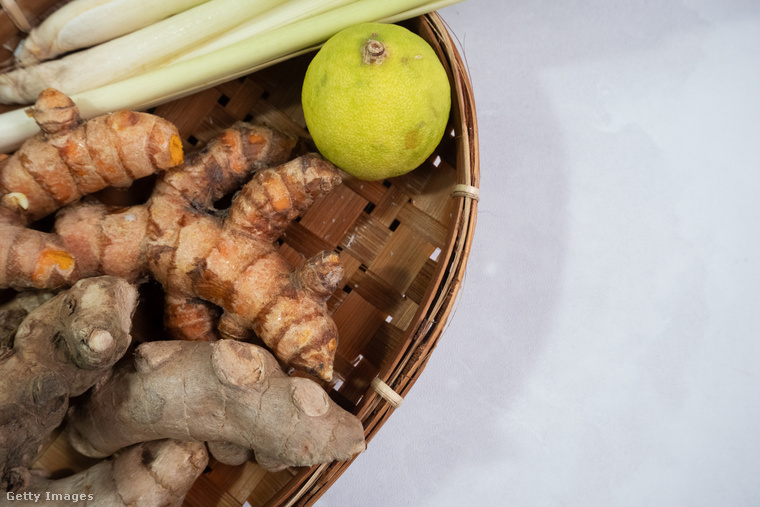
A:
(404, 244)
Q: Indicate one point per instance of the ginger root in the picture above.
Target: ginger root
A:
(231, 394)
(61, 349)
(13, 313)
(70, 158)
(230, 262)
(157, 473)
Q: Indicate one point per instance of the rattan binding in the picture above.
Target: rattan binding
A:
(404, 244)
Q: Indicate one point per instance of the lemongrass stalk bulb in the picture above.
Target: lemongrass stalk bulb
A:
(84, 23)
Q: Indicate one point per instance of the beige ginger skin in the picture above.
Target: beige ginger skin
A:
(157, 473)
(231, 394)
(61, 349)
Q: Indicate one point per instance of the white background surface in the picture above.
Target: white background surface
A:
(605, 347)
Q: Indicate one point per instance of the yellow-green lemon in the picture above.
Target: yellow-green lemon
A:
(376, 100)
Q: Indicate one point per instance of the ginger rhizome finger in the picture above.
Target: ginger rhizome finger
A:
(225, 163)
(113, 241)
(236, 265)
(209, 262)
(231, 394)
(61, 349)
(68, 159)
(34, 259)
(71, 158)
(156, 473)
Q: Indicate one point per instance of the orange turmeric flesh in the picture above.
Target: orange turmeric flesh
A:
(52, 260)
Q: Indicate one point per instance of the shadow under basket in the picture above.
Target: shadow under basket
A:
(404, 243)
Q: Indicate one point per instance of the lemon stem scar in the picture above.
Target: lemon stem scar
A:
(373, 51)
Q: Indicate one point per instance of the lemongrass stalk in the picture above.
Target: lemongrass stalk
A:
(209, 70)
(132, 53)
(418, 11)
(290, 12)
(84, 23)
(276, 17)
(206, 71)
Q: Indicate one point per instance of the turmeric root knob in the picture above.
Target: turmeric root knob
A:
(296, 324)
(275, 197)
(70, 158)
(286, 309)
(54, 112)
(33, 259)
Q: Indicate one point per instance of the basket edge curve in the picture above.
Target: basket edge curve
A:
(310, 484)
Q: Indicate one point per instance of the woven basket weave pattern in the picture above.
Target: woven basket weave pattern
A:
(404, 244)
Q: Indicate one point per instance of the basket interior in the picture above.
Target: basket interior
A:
(396, 239)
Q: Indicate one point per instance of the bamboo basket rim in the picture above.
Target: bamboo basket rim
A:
(392, 385)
